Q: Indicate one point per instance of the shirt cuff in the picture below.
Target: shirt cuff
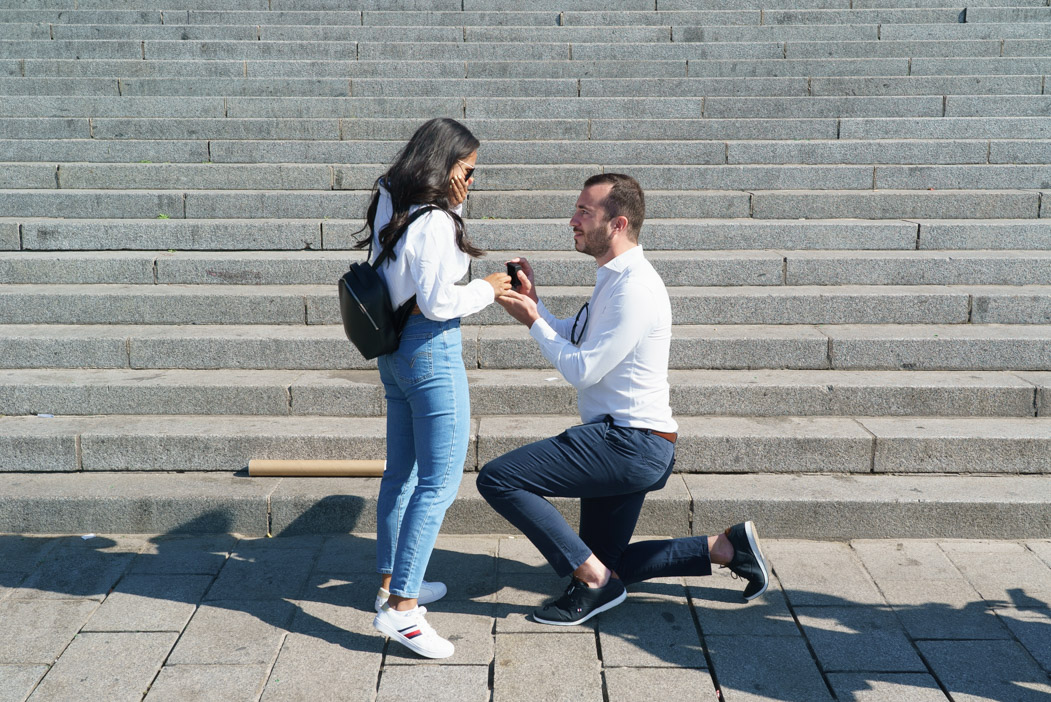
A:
(542, 331)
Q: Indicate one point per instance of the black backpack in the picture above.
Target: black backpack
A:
(369, 319)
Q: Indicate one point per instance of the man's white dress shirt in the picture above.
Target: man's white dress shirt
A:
(620, 366)
(428, 264)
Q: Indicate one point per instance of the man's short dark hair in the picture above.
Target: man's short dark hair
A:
(625, 198)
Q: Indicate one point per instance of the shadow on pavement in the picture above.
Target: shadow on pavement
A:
(323, 587)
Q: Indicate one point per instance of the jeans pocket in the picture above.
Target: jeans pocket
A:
(413, 362)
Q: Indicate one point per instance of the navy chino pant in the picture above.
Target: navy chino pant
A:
(610, 469)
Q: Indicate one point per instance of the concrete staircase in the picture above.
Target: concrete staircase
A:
(846, 200)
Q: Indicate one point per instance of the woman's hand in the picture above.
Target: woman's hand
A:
(458, 189)
(501, 283)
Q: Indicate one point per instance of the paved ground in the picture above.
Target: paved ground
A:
(220, 618)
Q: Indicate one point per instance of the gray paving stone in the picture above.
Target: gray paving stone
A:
(79, 267)
(177, 554)
(989, 234)
(822, 106)
(352, 553)
(263, 574)
(650, 634)
(59, 86)
(106, 666)
(858, 639)
(766, 48)
(946, 128)
(214, 128)
(934, 347)
(1009, 152)
(959, 666)
(862, 152)
(575, 69)
(837, 32)
(448, 683)
(336, 605)
(1030, 627)
(30, 345)
(18, 681)
(233, 632)
(161, 49)
(64, 32)
(523, 663)
(953, 177)
(129, 68)
(305, 505)
(978, 30)
(904, 560)
(10, 236)
(999, 106)
(774, 667)
(150, 603)
(942, 609)
(894, 204)
(1042, 549)
(245, 87)
(697, 87)
(58, 235)
(89, 203)
(697, 204)
(624, 684)
(938, 445)
(37, 631)
(1010, 305)
(917, 268)
(583, 107)
(80, 503)
(273, 204)
(884, 687)
(21, 554)
(87, 106)
(875, 49)
(314, 668)
(721, 610)
(80, 569)
(221, 683)
(821, 574)
(231, 444)
(102, 49)
(467, 565)
(1004, 573)
(56, 128)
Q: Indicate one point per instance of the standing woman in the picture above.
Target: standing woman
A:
(428, 409)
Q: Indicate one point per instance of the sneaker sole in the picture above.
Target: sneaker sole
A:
(609, 605)
(393, 634)
(753, 542)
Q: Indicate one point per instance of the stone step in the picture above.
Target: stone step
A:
(502, 178)
(527, 87)
(515, 204)
(531, 234)
(979, 347)
(787, 506)
(756, 393)
(517, 112)
(839, 445)
(133, 143)
(318, 304)
(680, 267)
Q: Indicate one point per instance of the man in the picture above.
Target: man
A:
(615, 353)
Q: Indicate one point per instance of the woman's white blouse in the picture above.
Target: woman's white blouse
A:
(428, 264)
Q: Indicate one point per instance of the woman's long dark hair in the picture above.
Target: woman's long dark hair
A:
(420, 176)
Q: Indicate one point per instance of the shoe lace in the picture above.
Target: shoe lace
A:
(733, 575)
(421, 622)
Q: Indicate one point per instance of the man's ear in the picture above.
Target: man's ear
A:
(618, 225)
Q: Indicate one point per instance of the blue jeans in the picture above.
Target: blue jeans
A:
(610, 469)
(428, 429)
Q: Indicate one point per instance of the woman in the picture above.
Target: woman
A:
(428, 410)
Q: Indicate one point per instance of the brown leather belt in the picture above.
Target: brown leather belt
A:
(664, 435)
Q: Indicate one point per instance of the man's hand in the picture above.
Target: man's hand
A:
(519, 306)
(529, 283)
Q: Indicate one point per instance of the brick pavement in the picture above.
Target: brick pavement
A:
(221, 618)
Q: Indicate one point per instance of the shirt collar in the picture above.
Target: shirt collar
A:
(621, 262)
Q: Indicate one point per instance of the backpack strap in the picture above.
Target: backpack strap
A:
(389, 249)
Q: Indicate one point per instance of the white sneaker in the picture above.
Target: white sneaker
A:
(411, 630)
(429, 592)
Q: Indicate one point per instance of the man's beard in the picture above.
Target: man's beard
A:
(593, 242)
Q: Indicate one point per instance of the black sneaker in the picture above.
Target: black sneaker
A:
(748, 562)
(581, 603)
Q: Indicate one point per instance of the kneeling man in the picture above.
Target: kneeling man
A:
(615, 353)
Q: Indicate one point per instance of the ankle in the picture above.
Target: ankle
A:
(401, 604)
(720, 550)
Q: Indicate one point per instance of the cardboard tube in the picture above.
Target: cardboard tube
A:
(316, 469)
